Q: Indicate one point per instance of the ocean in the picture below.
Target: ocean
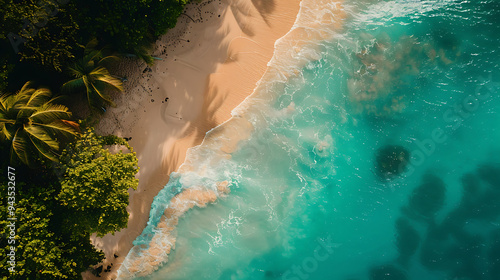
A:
(371, 151)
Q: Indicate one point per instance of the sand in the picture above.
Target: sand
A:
(209, 64)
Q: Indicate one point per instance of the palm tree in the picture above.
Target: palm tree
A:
(93, 78)
(34, 124)
(142, 52)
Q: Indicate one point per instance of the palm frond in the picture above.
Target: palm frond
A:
(92, 56)
(99, 71)
(32, 121)
(54, 100)
(19, 147)
(25, 112)
(143, 53)
(109, 81)
(21, 97)
(4, 101)
(49, 112)
(5, 134)
(102, 95)
(74, 85)
(40, 134)
(74, 125)
(88, 92)
(4, 120)
(26, 89)
(58, 127)
(43, 148)
(7, 118)
(6, 129)
(38, 97)
(94, 77)
(76, 71)
(108, 58)
(91, 45)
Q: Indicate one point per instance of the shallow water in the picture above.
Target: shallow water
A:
(309, 196)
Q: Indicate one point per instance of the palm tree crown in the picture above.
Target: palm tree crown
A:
(32, 123)
(93, 78)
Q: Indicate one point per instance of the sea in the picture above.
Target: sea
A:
(371, 151)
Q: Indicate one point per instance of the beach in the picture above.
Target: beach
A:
(208, 64)
(250, 139)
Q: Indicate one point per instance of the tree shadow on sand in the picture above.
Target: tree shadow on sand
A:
(265, 7)
(242, 14)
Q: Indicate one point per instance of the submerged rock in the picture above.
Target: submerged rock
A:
(486, 207)
(272, 274)
(445, 39)
(481, 203)
(429, 197)
(391, 160)
(471, 186)
(465, 256)
(387, 272)
(433, 254)
(407, 239)
(490, 174)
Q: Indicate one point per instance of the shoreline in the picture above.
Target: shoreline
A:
(226, 49)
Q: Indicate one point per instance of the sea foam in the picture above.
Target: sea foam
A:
(199, 181)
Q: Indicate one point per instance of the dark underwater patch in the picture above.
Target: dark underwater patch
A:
(387, 272)
(391, 161)
(429, 197)
(407, 239)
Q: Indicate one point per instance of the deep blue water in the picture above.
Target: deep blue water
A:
(314, 196)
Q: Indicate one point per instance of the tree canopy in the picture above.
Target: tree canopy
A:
(51, 34)
(95, 182)
(47, 246)
(41, 31)
(56, 216)
(128, 24)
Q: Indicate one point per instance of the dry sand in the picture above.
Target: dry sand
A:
(210, 63)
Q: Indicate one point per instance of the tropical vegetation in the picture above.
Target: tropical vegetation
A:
(32, 123)
(44, 35)
(69, 184)
(58, 209)
(48, 246)
(93, 78)
(95, 182)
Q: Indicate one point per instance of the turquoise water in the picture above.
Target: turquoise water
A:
(309, 197)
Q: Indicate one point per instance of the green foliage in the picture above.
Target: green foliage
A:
(142, 52)
(54, 220)
(96, 182)
(33, 124)
(5, 68)
(42, 250)
(49, 35)
(48, 30)
(92, 78)
(56, 217)
(146, 20)
(55, 44)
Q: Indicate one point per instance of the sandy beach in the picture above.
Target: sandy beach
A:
(209, 63)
